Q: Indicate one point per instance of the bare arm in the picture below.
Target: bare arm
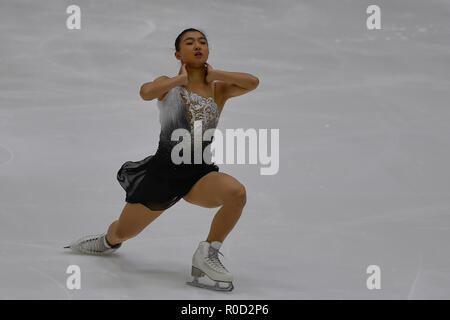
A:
(231, 84)
(159, 86)
(240, 79)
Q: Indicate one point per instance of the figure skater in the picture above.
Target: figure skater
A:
(152, 185)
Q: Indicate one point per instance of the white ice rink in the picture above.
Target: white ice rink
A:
(364, 124)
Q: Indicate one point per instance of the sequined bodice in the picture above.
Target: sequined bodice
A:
(181, 108)
(185, 110)
(200, 108)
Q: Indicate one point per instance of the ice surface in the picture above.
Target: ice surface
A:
(364, 147)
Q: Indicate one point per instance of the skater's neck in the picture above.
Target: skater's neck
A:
(196, 76)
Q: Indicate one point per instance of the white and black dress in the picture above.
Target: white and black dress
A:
(156, 181)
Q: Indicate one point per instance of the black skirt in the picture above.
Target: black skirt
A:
(158, 183)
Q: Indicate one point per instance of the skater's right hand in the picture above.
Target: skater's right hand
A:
(183, 75)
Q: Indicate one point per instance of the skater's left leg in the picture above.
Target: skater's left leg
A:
(219, 189)
(134, 218)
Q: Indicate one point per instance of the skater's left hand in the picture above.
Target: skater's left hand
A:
(209, 75)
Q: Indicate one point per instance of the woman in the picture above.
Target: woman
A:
(156, 183)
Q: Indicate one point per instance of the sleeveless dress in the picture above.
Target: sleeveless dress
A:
(156, 181)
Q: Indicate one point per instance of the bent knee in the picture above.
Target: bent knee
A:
(236, 195)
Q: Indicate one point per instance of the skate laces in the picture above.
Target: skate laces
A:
(95, 244)
(213, 258)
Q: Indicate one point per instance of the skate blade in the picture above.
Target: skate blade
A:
(89, 253)
(216, 287)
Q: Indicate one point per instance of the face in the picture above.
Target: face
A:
(193, 42)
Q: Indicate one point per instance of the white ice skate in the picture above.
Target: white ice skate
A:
(206, 261)
(94, 244)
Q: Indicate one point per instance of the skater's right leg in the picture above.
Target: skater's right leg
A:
(134, 218)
